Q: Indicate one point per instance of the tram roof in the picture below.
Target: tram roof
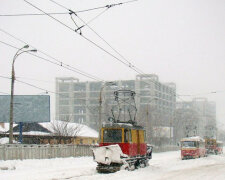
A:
(122, 125)
(195, 138)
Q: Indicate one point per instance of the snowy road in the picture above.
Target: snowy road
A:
(163, 166)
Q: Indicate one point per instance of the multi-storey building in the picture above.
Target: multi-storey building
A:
(196, 117)
(79, 101)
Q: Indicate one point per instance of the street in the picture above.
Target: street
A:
(167, 165)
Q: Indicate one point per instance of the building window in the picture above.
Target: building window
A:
(79, 87)
(95, 86)
(63, 87)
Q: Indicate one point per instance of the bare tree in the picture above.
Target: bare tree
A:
(65, 128)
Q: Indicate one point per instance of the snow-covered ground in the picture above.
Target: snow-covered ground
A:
(167, 166)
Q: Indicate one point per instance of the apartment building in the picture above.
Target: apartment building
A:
(196, 118)
(79, 101)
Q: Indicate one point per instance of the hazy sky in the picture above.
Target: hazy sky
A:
(182, 41)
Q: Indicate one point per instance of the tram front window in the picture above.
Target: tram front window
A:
(112, 135)
(189, 144)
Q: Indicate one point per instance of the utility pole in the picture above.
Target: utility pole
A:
(148, 124)
(12, 90)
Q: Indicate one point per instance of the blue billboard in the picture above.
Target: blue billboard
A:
(26, 108)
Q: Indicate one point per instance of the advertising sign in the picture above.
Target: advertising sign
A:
(26, 108)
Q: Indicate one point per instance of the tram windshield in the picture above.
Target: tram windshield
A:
(112, 135)
(188, 144)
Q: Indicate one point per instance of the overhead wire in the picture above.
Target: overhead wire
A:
(31, 14)
(116, 51)
(90, 106)
(48, 91)
(55, 13)
(207, 93)
(85, 24)
(4, 93)
(129, 64)
(98, 46)
(92, 42)
(60, 62)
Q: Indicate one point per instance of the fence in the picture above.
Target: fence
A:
(165, 148)
(34, 151)
(28, 151)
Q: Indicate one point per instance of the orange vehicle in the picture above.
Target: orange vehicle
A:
(123, 146)
(192, 147)
(219, 147)
(122, 142)
(130, 138)
(210, 145)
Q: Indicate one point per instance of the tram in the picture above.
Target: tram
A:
(192, 147)
(122, 143)
(219, 147)
(210, 145)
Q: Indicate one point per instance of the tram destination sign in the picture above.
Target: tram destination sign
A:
(26, 108)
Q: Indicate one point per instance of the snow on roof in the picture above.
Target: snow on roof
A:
(6, 127)
(194, 138)
(33, 133)
(83, 131)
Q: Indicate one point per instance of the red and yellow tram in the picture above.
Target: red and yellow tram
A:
(219, 147)
(122, 146)
(131, 139)
(122, 142)
(192, 147)
(210, 145)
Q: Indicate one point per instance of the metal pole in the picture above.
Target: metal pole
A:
(11, 104)
(100, 108)
(12, 91)
(147, 124)
(21, 132)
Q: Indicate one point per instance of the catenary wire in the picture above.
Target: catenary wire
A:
(4, 93)
(60, 62)
(92, 42)
(129, 65)
(53, 92)
(31, 14)
(57, 13)
(86, 24)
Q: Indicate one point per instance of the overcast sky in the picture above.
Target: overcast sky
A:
(182, 41)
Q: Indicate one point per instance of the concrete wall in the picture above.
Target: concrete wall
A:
(22, 151)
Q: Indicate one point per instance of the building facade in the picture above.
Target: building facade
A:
(196, 118)
(80, 101)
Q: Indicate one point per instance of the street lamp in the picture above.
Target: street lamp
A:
(110, 83)
(12, 89)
